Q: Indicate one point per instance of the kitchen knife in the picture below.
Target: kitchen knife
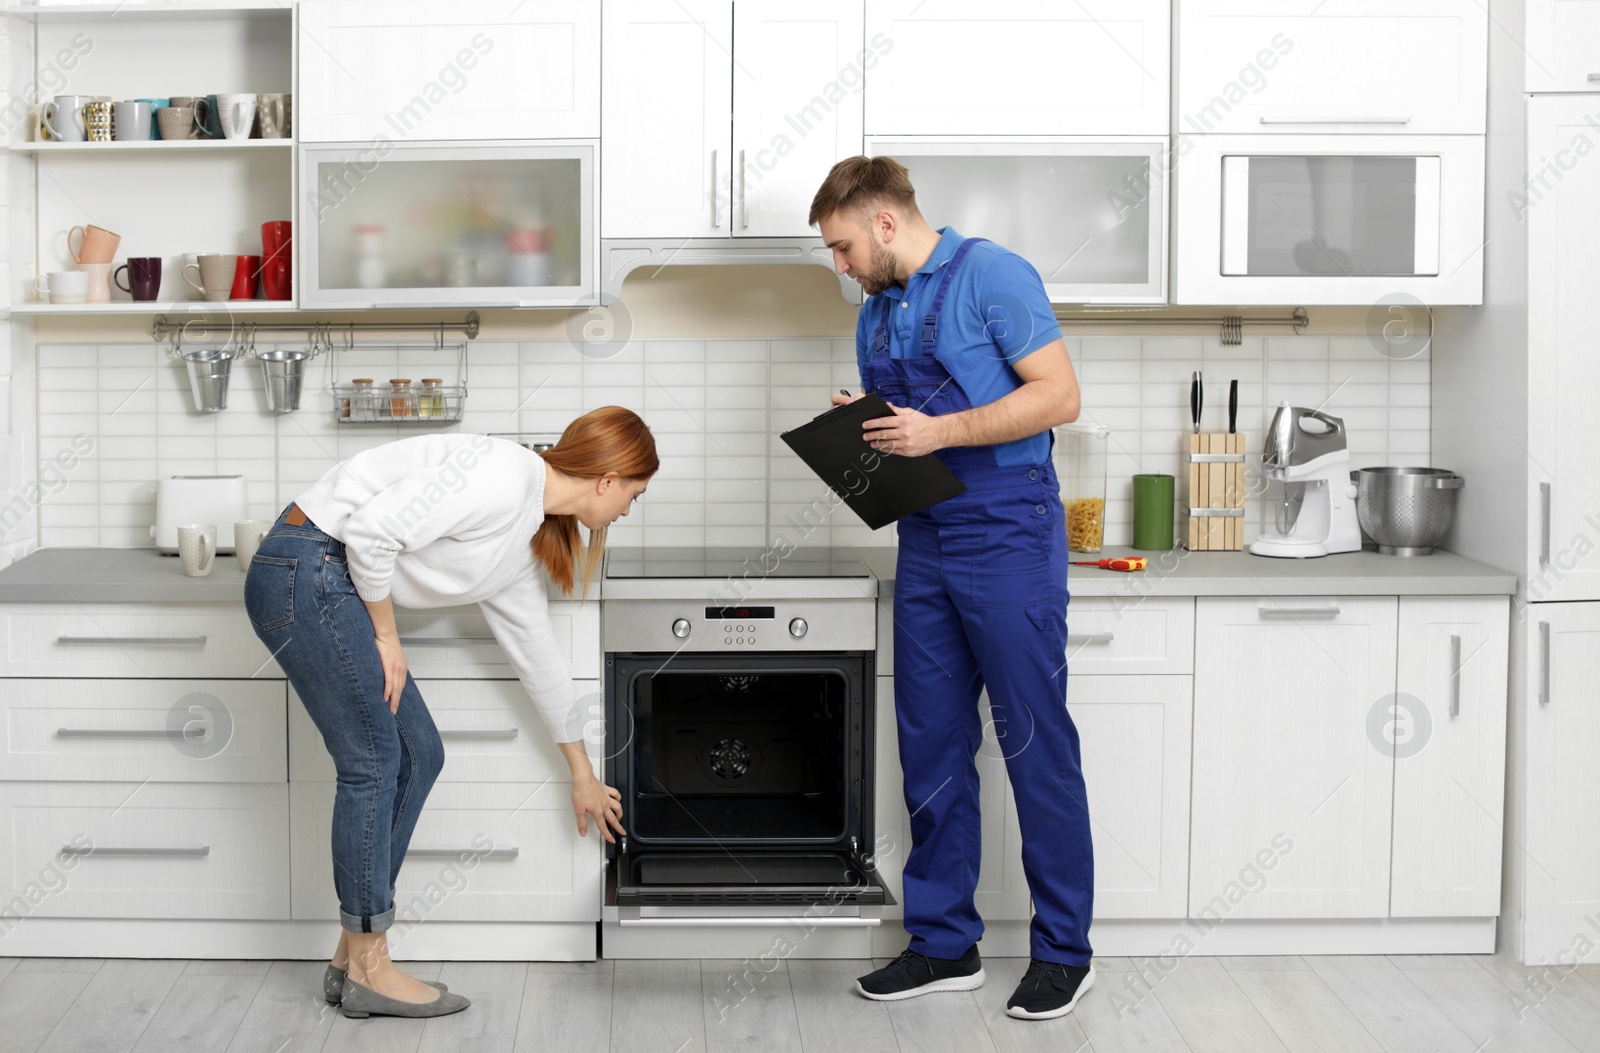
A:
(1233, 406)
(1195, 396)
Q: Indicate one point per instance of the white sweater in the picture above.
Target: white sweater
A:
(442, 520)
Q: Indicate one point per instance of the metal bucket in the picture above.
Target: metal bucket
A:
(281, 374)
(208, 378)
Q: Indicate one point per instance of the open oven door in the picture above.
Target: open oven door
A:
(794, 880)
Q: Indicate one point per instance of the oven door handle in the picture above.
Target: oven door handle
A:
(749, 923)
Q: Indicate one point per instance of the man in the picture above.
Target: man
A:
(958, 336)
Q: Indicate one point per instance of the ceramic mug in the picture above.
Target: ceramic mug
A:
(197, 547)
(99, 245)
(246, 277)
(155, 104)
(277, 247)
(131, 121)
(98, 119)
(272, 115)
(62, 118)
(144, 277)
(176, 122)
(199, 109)
(99, 282)
(214, 274)
(236, 114)
(247, 538)
(63, 287)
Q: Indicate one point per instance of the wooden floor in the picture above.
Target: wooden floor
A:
(1230, 1005)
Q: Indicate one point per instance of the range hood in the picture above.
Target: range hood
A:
(621, 256)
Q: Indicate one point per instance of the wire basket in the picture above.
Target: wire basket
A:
(442, 404)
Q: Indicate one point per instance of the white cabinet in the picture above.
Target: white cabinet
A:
(472, 69)
(1560, 855)
(1283, 694)
(1095, 224)
(1563, 224)
(1563, 45)
(130, 640)
(1135, 735)
(1415, 67)
(1017, 67)
(722, 118)
(1122, 635)
(1449, 731)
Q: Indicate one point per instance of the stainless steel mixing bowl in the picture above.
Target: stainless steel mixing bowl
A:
(1406, 511)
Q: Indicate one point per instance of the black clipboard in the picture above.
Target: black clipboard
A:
(878, 487)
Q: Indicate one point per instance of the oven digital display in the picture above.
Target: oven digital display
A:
(741, 612)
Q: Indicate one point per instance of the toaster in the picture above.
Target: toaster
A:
(221, 500)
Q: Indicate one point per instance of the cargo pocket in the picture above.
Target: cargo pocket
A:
(269, 591)
(1014, 567)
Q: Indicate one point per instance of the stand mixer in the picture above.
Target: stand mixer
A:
(1306, 450)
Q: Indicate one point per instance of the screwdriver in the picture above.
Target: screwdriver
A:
(1119, 563)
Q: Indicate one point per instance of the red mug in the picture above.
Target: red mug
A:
(277, 267)
(245, 278)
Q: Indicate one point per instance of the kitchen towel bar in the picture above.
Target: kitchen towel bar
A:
(196, 328)
(1231, 325)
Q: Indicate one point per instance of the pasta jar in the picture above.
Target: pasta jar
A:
(1080, 455)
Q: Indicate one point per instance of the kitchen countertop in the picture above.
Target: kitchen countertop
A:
(1183, 573)
(122, 575)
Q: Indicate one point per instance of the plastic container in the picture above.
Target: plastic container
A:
(1081, 454)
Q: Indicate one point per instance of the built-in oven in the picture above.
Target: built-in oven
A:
(739, 732)
(1295, 219)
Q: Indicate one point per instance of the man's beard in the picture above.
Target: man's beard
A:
(882, 273)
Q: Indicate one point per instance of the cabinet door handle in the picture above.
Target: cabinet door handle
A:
(764, 921)
(716, 205)
(439, 853)
(1544, 523)
(136, 641)
(1544, 663)
(166, 853)
(480, 734)
(1330, 611)
(744, 192)
(444, 641)
(1087, 638)
(1336, 120)
(121, 733)
(1455, 675)
(1594, 76)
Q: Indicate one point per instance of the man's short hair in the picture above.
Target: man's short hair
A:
(862, 186)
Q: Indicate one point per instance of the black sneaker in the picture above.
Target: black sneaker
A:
(914, 974)
(1049, 990)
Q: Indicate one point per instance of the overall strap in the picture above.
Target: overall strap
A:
(930, 322)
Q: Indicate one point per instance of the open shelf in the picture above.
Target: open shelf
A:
(156, 145)
(237, 307)
(145, 11)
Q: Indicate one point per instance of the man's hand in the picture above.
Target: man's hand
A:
(909, 433)
(843, 398)
(592, 797)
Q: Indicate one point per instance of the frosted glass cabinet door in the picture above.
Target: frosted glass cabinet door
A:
(1095, 224)
(498, 225)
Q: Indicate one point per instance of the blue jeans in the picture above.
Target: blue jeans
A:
(304, 608)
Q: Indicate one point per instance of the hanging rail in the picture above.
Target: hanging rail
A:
(198, 328)
(1231, 325)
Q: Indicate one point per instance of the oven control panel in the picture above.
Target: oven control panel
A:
(794, 625)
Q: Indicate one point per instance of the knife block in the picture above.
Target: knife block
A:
(1212, 516)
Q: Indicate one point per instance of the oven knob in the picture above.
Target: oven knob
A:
(798, 627)
(680, 628)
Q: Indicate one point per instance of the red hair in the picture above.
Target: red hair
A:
(601, 442)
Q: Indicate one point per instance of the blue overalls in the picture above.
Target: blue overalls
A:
(980, 600)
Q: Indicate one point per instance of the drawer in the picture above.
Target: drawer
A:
(133, 730)
(490, 728)
(455, 642)
(487, 852)
(131, 639)
(1114, 634)
(152, 850)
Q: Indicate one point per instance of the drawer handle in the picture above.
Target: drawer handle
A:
(440, 853)
(175, 734)
(1330, 611)
(1594, 76)
(1455, 675)
(165, 853)
(746, 923)
(1336, 120)
(136, 641)
(1086, 638)
(445, 641)
(481, 734)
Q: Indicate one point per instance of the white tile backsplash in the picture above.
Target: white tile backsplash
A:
(716, 407)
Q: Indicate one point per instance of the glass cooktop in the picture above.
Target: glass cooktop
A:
(776, 562)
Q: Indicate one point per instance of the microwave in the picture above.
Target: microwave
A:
(1328, 219)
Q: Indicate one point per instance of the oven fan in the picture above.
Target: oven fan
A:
(729, 759)
(737, 690)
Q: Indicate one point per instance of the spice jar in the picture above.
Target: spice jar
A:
(1080, 456)
(400, 398)
(430, 400)
(359, 405)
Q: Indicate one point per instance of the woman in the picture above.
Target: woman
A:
(433, 521)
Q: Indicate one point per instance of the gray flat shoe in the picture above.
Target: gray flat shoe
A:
(333, 985)
(361, 1001)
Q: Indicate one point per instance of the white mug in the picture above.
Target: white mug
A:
(63, 287)
(236, 113)
(247, 538)
(197, 548)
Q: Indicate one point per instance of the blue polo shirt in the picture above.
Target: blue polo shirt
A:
(995, 313)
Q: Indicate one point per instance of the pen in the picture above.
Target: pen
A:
(845, 392)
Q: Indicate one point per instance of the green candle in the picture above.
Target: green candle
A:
(1152, 512)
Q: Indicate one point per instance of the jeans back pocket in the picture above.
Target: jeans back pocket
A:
(269, 591)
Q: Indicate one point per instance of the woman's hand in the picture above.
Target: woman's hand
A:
(592, 797)
(393, 660)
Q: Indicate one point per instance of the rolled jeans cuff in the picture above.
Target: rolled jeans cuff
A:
(367, 923)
